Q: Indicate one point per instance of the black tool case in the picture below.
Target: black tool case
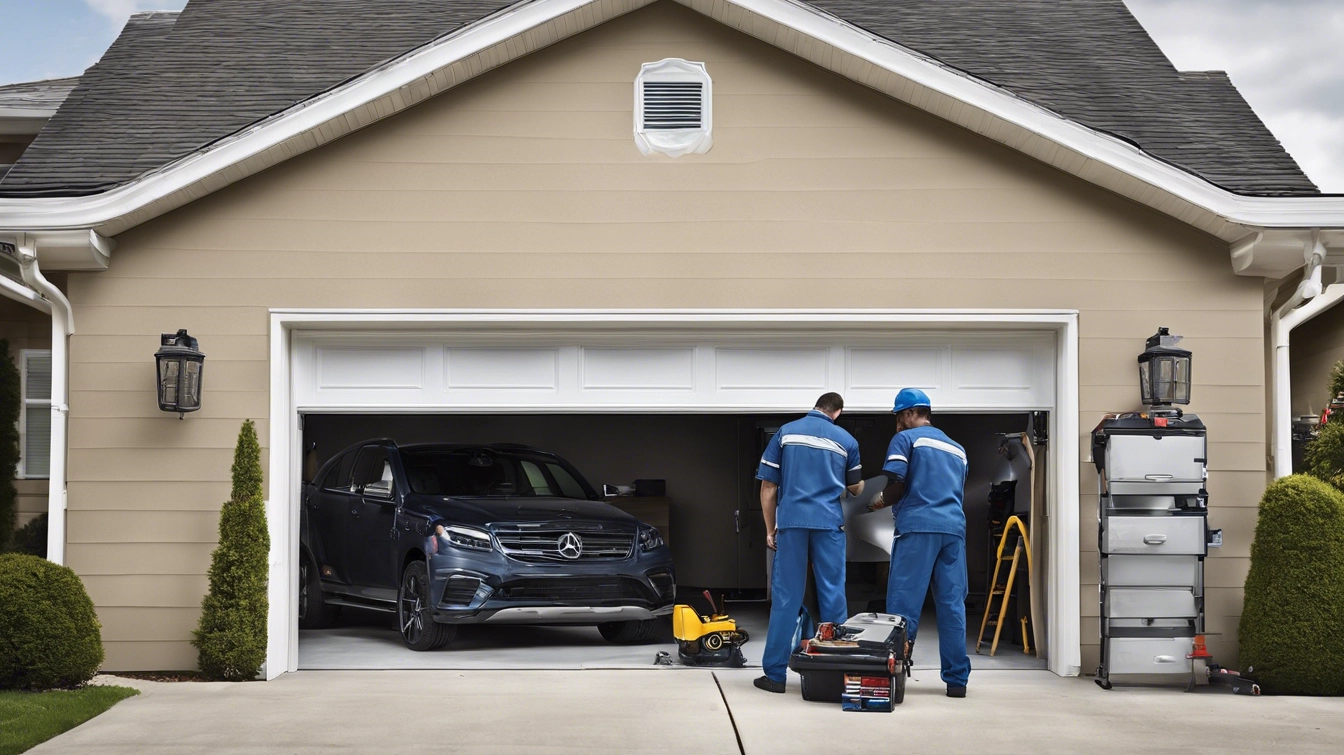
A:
(868, 645)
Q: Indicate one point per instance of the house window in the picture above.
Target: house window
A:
(35, 414)
(674, 108)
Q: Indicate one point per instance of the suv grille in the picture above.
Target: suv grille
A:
(537, 544)
(576, 589)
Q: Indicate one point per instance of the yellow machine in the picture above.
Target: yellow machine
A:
(707, 640)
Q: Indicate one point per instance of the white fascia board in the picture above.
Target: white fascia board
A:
(1263, 212)
(93, 211)
(52, 213)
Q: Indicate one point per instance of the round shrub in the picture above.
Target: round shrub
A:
(48, 630)
(1292, 623)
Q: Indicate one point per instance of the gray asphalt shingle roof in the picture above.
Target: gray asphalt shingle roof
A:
(173, 83)
(36, 95)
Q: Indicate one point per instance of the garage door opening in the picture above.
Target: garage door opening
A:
(704, 502)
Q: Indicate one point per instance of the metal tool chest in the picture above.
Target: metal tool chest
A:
(1152, 518)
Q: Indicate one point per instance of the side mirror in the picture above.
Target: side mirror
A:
(381, 490)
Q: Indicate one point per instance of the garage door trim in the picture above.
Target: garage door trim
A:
(1063, 622)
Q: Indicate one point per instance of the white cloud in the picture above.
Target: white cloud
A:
(1281, 55)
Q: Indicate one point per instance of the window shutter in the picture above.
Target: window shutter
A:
(37, 414)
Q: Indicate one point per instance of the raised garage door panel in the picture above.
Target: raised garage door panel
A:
(468, 371)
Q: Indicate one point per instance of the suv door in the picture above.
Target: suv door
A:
(328, 515)
(369, 537)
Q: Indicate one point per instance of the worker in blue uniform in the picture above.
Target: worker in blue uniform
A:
(806, 469)
(925, 473)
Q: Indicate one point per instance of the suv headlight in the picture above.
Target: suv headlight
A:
(649, 539)
(467, 537)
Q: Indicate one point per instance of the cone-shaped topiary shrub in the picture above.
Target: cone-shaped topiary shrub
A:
(1292, 624)
(10, 399)
(232, 634)
(48, 630)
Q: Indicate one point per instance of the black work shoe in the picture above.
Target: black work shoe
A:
(956, 691)
(770, 685)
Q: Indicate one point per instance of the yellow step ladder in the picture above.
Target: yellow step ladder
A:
(1006, 590)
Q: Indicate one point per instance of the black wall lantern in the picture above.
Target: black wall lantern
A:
(180, 363)
(1164, 371)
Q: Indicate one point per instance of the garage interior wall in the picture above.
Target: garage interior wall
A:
(26, 328)
(524, 189)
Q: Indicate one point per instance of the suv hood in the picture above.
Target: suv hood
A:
(494, 510)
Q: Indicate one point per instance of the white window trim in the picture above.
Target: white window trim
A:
(21, 472)
(675, 142)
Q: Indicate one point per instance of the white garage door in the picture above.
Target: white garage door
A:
(656, 371)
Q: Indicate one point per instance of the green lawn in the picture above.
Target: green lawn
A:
(30, 718)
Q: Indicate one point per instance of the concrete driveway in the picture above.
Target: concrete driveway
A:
(687, 711)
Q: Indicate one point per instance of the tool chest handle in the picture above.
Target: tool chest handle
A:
(1155, 539)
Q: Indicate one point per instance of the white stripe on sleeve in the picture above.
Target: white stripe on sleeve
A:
(769, 463)
(897, 457)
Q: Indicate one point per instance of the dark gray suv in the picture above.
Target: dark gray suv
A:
(450, 534)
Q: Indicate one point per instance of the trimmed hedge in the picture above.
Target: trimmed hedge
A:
(231, 638)
(10, 400)
(49, 633)
(1292, 623)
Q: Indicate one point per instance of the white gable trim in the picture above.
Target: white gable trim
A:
(790, 25)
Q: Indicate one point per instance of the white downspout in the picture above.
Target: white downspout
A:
(62, 326)
(1281, 325)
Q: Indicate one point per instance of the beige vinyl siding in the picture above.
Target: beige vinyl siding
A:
(26, 328)
(524, 189)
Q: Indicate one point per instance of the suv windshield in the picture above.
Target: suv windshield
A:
(491, 472)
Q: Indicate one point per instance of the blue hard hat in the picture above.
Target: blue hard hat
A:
(909, 398)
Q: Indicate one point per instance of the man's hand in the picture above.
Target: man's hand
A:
(878, 502)
(770, 539)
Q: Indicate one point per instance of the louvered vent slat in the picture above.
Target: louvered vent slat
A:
(673, 105)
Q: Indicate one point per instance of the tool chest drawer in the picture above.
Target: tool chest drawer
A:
(1149, 603)
(1164, 535)
(1149, 458)
(1151, 571)
(1149, 655)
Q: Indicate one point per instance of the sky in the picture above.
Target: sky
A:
(1282, 55)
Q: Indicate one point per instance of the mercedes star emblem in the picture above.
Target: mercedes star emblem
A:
(571, 545)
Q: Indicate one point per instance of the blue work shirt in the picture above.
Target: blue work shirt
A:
(933, 468)
(812, 461)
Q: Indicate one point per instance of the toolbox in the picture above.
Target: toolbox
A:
(861, 663)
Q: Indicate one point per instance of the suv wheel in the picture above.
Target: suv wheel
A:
(629, 632)
(314, 613)
(419, 630)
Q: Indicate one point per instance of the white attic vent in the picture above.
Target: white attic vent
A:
(673, 108)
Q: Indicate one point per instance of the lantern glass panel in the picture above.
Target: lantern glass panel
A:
(169, 374)
(191, 385)
(1145, 384)
(1182, 395)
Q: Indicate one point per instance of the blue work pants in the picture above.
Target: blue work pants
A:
(826, 549)
(918, 558)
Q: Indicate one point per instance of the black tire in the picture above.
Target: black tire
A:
(629, 632)
(314, 612)
(823, 686)
(712, 642)
(415, 616)
(898, 696)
